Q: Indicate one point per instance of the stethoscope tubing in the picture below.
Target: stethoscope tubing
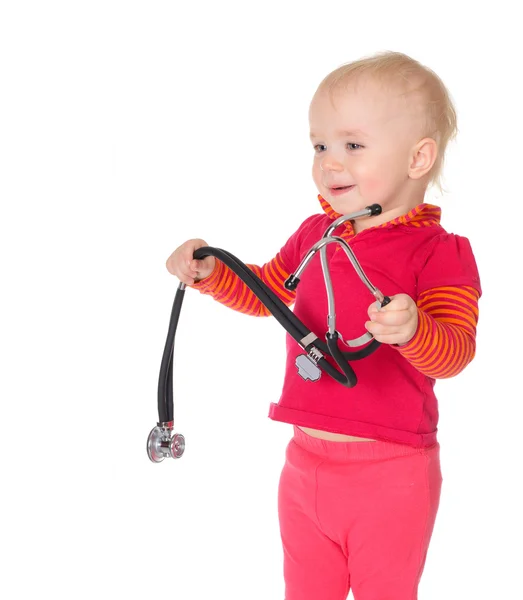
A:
(296, 328)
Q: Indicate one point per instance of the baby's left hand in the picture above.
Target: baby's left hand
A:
(395, 323)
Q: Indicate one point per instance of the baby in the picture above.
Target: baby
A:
(361, 483)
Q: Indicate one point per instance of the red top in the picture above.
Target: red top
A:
(394, 398)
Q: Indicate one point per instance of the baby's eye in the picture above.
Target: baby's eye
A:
(351, 146)
(320, 147)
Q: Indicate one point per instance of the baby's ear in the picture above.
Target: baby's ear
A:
(423, 157)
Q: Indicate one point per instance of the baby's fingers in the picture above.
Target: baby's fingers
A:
(185, 275)
(195, 266)
(179, 266)
(390, 318)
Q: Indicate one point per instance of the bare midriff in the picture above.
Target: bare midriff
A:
(334, 437)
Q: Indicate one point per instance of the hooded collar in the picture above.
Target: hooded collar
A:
(423, 215)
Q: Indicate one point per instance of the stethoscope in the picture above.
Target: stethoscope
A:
(162, 442)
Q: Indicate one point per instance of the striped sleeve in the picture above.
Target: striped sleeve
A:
(228, 289)
(445, 340)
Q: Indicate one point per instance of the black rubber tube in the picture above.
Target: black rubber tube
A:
(281, 313)
(165, 383)
(268, 298)
(335, 352)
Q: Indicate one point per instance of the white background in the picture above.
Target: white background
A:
(129, 127)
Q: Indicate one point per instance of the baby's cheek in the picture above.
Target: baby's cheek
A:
(373, 186)
(316, 175)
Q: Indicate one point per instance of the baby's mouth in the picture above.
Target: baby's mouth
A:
(339, 190)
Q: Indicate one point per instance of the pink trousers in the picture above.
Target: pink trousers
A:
(356, 515)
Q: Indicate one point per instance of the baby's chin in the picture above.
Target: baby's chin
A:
(344, 206)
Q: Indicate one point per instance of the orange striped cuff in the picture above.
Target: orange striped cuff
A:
(445, 339)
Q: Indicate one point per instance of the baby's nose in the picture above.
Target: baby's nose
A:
(330, 164)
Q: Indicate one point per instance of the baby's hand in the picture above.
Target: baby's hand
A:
(187, 269)
(395, 323)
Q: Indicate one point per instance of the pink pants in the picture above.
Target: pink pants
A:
(356, 515)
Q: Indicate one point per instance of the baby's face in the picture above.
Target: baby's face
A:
(362, 141)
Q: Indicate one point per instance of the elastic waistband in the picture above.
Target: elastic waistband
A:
(347, 451)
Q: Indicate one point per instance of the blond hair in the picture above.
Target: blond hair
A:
(440, 121)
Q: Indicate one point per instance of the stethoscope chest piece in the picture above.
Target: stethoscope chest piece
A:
(162, 443)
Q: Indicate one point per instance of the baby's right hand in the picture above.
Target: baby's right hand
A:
(182, 264)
